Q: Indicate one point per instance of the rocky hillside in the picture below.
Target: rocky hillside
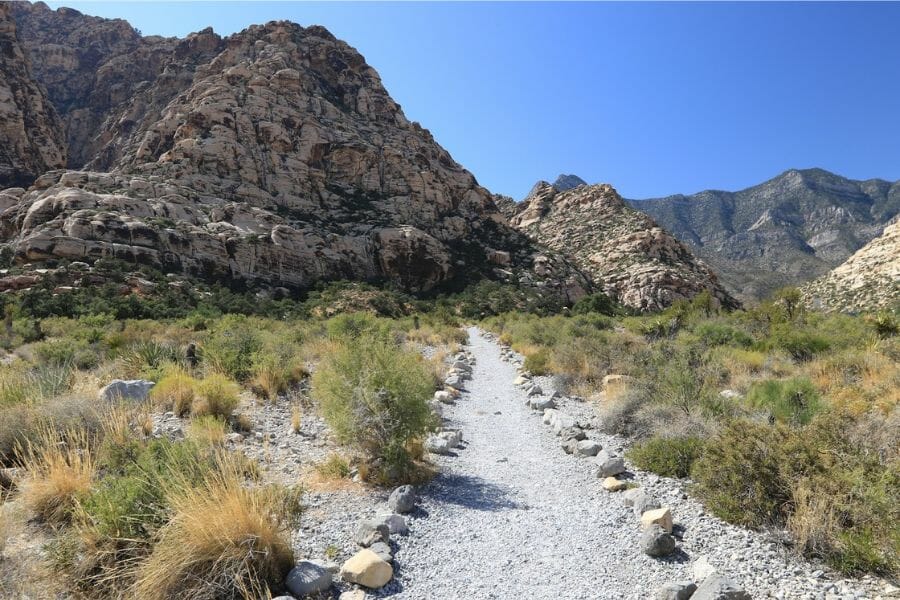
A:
(791, 229)
(870, 279)
(274, 155)
(31, 135)
(629, 256)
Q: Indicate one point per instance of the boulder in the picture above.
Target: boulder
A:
(681, 590)
(572, 433)
(521, 380)
(587, 448)
(611, 484)
(383, 551)
(444, 397)
(462, 366)
(371, 531)
(719, 587)
(642, 502)
(541, 403)
(435, 444)
(534, 390)
(657, 542)
(454, 381)
(396, 523)
(629, 497)
(132, 390)
(659, 516)
(453, 436)
(367, 569)
(608, 465)
(403, 499)
(308, 578)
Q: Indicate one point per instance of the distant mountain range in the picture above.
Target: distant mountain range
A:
(785, 231)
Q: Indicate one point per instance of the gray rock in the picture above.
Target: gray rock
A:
(609, 466)
(573, 433)
(534, 390)
(462, 366)
(134, 390)
(587, 448)
(453, 381)
(656, 542)
(541, 403)
(630, 496)
(438, 445)
(396, 524)
(371, 531)
(719, 587)
(645, 502)
(308, 578)
(383, 551)
(403, 499)
(681, 590)
(444, 397)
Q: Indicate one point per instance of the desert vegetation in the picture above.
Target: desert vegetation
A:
(782, 417)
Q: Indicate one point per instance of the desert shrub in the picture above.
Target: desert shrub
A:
(801, 345)
(669, 457)
(60, 470)
(375, 396)
(147, 358)
(223, 540)
(217, 396)
(232, 345)
(22, 425)
(788, 400)
(596, 303)
(175, 391)
(719, 334)
(334, 467)
(886, 324)
(538, 362)
(352, 326)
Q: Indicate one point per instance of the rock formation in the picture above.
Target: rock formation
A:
(786, 231)
(274, 155)
(629, 256)
(31, 139)
(868, 280)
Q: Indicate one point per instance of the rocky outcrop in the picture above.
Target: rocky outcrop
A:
(629, 256)
(786, 231)
(31, 139)
(868, 280)
(274, 156)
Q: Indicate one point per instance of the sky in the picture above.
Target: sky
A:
(654, 98)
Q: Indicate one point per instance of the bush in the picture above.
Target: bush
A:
(231, 347)
(375, 396)
(175, 391)
(334, 467)
(789, 401)
(801, 345)
(718, 334)
(538, 362)
(223, 540)
(217, 396)
(669, 457)
(207, 430)
(60, 470)
(596, 303)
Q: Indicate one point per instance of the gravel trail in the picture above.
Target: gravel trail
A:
(512, 516)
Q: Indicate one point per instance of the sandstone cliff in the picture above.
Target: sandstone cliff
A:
(31, 135)
(868, 280)
(629, 256)
(274, 155)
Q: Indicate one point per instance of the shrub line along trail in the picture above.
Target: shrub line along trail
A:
(512, 516)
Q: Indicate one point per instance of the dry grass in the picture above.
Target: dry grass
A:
(60, 469)
(224, 540)
(296, 419)
(813, 521)
(176, 391)
(217, 396)
(5, 525)
(333, 467)
(207, 430)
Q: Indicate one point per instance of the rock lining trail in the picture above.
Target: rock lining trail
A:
(513, 516)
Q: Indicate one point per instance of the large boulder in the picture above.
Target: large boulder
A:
(608, 465)
(657, 542)
(371, 531)
(367, 569)
(403, 499)
(131, 390)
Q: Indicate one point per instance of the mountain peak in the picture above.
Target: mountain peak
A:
(567, 182)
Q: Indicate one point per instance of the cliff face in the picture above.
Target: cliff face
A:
(31, 137)
(273, 155)
(868, 280)
(628, 255)
(786, 231)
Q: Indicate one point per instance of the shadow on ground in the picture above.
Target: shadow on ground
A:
(470, 492)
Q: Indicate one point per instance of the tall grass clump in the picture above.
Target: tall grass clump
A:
(175, 391)
(223, 540)
(789, 401)
(217, 396)
(669, 457)
(60, 470)
(375, 397)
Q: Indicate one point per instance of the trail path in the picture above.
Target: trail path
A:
(512, 516)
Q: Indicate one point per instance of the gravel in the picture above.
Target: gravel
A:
(511, 515)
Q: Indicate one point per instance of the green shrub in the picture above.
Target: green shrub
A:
(596, 303)
(231, 347)
(175, 391)
(538, 362)
(788, 400)
(217, 396)
(718, 334)
(801, 345)
(375, 396)
(669, 457)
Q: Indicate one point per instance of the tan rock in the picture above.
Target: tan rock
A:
(367, 569)
(660, 516)
(611, 484)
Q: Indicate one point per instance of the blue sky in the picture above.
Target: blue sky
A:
(654, 98)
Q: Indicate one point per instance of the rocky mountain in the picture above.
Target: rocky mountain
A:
(786, 231)
(271, 156)
(629, 256)
(31, 140)
(565, 183)
(868, 280)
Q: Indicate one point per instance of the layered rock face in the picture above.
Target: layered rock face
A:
(31, 139)
(629, 256)
(868, 280)
(274, 155)
(786, 231)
